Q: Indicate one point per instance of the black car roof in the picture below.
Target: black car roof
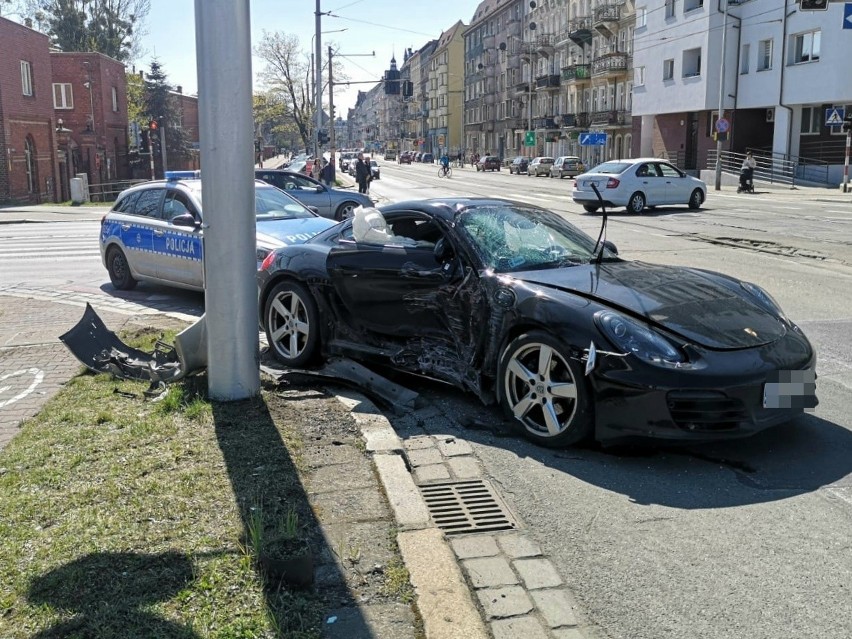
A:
(446, 207)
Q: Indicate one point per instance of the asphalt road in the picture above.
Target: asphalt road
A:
(744, 540)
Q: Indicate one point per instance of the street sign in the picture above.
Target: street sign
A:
(592, 139)
(847, 15)
(834, 116)
(529, 138)
(722, 125)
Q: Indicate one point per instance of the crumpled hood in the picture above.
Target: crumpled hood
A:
(274, 233)
(694, 304)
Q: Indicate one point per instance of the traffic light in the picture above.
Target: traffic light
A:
(153, 125)
(847, 124)
(407, 88)
(144, 144)
(813, 5)
(322, 137)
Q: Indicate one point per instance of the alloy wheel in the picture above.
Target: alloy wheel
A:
(289, 325)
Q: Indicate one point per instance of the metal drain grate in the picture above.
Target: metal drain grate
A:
(466, 507)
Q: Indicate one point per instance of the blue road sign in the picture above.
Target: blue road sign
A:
(592, 139)
(847, 15)
(834, 116)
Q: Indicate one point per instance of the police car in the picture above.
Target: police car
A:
(153, 232)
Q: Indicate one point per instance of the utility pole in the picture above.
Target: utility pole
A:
(721, 101)
(318, 82)
(331, 140)
(163, 144)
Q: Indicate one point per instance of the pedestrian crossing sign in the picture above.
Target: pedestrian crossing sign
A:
(834, 116)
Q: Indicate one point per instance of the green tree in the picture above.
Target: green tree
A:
(161, 106)
(111, 27)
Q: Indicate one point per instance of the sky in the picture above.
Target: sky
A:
(387, 27)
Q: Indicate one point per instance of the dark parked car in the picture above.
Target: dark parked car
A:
(519, 165)
(515, 304)
(427, 157)
(405, 158)
(418, 156)
(488, 163)
(328, 202)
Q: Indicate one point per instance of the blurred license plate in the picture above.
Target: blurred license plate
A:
(790, 389)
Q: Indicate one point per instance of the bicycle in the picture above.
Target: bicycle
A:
(445, 171)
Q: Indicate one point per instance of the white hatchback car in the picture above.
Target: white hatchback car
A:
(637, 184)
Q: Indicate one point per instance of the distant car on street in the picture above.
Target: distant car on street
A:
(154, 230)
(405, 158)
(567, 165)
(375, 172)
(390, 154)
(488, 163)
(427, 157)
(336, 204)
(540, 166)
(519, 165)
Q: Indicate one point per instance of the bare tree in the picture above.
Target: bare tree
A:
(288, 76)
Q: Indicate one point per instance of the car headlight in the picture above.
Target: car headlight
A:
(632, 337)
(764, 299)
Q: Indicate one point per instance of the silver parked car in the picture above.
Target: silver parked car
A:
(567, 165)
(540, 166)
(336, 204)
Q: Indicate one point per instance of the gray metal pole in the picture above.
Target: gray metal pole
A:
(223, 51)
(721, 100)
(318, 82)
(846, 161)
(163, 145)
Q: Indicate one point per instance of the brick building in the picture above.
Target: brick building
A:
(89, 95)
(187, 108)
(29, 167)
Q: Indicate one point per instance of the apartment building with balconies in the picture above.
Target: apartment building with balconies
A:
(446, 91)
(492, 114)
(783, 68)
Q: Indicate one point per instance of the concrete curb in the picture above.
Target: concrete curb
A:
(443, 597)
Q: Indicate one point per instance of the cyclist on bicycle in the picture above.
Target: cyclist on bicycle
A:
(445, 163)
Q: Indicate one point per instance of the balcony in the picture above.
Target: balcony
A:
(580, 31)
(576, 72)
(582, 120)
(547, 82)
(609, 63)
(606, 20)
(566, 119)
(488, 41)
(513, 28)
(545, 44)
(520, 88)
(547, 122)
(527, 50)
(609, 118)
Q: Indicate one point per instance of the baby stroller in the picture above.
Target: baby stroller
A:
(746, 180)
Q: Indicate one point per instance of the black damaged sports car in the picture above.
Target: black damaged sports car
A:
(513, 303)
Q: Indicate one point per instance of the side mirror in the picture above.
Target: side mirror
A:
(320, 188)
(609, 246)
(185, 219)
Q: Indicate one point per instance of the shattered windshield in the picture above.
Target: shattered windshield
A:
(511, 238)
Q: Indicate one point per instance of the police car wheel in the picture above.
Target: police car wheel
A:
(292, 327)
(119, 270)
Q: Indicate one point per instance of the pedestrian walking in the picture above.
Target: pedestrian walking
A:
(327, 173)
(362, 174)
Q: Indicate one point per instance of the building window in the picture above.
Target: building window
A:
(668, 69)
(641, 17)
(62, 96)
(811, 120)
(114, 99)
(764, 55)
(692, 5)
(691, 63)
(26, 78)
(744, 58)
(670, 8)
(639, 76)
(806, 47)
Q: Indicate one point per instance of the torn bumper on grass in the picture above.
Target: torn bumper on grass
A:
(100, 350)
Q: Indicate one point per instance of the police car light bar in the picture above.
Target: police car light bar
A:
(182, 175)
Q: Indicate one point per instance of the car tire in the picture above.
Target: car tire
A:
(696, 199)
(119, 270)
(292, 324)
(636, 203)
(345, 210)
(589, 208)
(553, 407)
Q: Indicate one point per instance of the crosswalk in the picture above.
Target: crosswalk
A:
(66, 249)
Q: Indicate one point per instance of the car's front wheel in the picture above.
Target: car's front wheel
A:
(292, 324)
(119, 270)
(345, 211)
(589, 208)
(545, 390)
(696, 199)
(636, 203)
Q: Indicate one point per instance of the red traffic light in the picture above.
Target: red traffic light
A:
(153, 125)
